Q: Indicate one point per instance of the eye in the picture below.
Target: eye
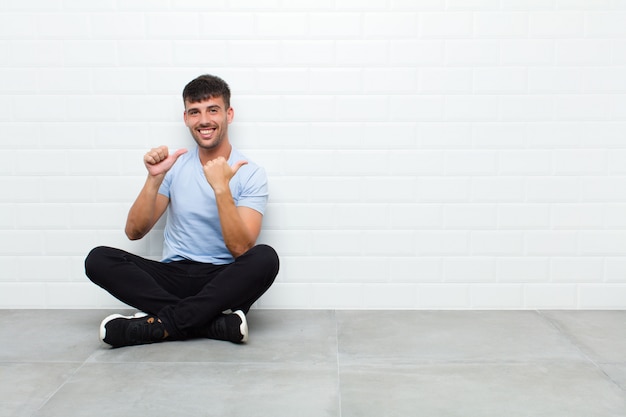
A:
(192, 112)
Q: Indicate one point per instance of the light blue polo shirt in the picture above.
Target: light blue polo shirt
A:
(192, 230)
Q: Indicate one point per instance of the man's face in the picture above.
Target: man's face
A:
(208, 121)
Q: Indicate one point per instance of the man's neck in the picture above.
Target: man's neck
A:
(207, 155)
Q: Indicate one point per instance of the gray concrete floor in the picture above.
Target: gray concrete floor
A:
(323, 363)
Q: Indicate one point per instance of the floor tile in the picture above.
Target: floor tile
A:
(400, 337)
(599, 334)
(197, 389)
(24, 387)
(48, 335)
(323, 363)
(283, 336)
(617, 373)
(573, 389)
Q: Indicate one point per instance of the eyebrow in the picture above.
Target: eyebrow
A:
(211, 107)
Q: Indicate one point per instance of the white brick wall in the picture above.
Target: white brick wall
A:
(440, 154)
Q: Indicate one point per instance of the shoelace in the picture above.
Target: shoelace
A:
(145, 331)
(218, 328)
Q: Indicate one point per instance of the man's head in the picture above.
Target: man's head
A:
(208, 112)
(204, 87)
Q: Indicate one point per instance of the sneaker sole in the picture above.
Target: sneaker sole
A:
(244, 325)
(103, 330)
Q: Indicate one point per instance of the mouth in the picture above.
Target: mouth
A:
(206, 133)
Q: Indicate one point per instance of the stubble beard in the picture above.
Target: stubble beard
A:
(211, 145)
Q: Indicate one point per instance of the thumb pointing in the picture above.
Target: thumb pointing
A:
(238, 165)
(179, 152)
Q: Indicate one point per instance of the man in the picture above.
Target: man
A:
(212, 271)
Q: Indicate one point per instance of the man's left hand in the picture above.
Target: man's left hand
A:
(218, 173)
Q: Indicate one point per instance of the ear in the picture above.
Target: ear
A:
(185, 117)
(230, 114)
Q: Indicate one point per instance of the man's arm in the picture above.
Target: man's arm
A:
(241, 226)
(146, 210)
(150, 205)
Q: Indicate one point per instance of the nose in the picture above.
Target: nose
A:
(204, 118)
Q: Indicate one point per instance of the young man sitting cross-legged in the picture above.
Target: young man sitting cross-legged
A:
(212, 270)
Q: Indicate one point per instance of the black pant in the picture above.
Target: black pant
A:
(185, 295)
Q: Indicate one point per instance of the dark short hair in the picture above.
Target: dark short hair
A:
(206, 86)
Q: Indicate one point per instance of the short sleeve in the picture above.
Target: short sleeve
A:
(254, 192)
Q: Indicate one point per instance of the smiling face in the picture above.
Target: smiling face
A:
(208, 122)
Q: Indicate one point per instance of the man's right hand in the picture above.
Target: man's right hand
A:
(158, 160)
